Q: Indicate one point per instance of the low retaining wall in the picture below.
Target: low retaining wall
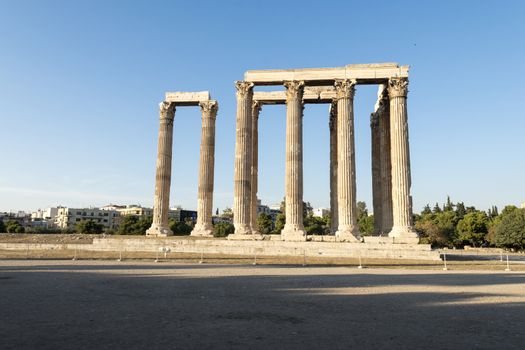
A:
(376, 249)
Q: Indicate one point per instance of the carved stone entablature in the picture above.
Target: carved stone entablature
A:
(294, 89)
(397, 87)
(344, 88)
(209, 108)
(243, 87)
(166, 110)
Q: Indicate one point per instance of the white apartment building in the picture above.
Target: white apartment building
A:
(320, 212)
(69, 217)
(137, 210)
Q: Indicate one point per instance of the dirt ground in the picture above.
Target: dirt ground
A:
(46, 238)
(49, 304)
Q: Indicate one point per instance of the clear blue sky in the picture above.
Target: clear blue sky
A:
(80, 83)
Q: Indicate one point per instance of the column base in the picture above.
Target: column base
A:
(246, 237)
(293, 234)
(404, 234)
(201, 230)
(348, 235)
(158, 231)
(242, 229)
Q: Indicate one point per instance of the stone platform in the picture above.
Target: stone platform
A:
(374, 248)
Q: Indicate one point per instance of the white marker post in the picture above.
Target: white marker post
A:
(304, 257)
(508, 265)
(445, 262)
(202, 256)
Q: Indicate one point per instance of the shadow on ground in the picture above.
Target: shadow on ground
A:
(152, 306)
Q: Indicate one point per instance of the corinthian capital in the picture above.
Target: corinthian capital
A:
(294, 89)
(166, 110)
(397, 87)
(344, 88)
(209, 108)
(243, 87)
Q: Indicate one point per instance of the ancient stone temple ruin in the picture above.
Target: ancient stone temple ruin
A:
(209, 109)
(392, 203)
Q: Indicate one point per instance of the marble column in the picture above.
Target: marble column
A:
(204, 225)
(256, 109)
(346, 187)
(243, 162)
(293, 229)
(402, 229)
(161, 202)
(385, 161)
(333, 167)
(376, 173)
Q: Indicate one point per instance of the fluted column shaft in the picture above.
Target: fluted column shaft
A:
(333, 168)
(400, 156)
(346, 188)
(293, 229)
(243, 160)
(204, 225)
(161, 200)
(376, 172)
(385, 162)
(256, 108)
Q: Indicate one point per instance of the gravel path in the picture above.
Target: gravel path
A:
(140, 305)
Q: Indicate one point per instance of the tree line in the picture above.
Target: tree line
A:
(447, 225)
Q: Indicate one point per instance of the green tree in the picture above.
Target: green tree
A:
(431, 233)
(223, 229)
(493, 212)
(127, 225)
(315, 225)
(426, 210)
(473, 228)
(89, 227)
(509, 231)
(2, 226)
(179, 228)
(361, 210)
(364, 221)
(461, 211)
(280, 221)
(437, 228)
(13, 226)
(134, 225)
(449, 206)
(366, 225)
(436, 209)
(264, 223)
(227, 213)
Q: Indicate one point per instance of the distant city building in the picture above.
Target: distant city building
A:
(69, 217)
(275, 207)
(137, 210)
(44, 217)
(21, 217)
(320, 212)
(45, 214)
(112, 207)
(186, 215)
(262, 208)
